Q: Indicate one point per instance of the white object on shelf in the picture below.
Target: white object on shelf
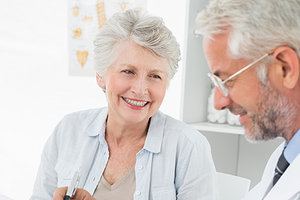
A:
(233, 119)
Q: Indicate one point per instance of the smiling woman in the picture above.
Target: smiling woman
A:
(129, 150)
(135, 84)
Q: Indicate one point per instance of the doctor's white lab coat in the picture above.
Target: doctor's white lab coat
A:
(287, 187)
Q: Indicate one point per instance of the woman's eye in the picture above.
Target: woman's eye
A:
(128, 71)
(156, 76)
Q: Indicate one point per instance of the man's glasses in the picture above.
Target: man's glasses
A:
(222, 84)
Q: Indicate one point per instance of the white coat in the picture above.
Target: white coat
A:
(287, 187)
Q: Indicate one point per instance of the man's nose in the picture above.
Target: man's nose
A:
(221, 102)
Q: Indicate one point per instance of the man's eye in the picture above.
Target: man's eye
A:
(229, 83)
(128, 71)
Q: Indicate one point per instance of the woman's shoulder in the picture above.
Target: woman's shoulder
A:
(85, 115)
(181, 130)
(78, 123)
(75, 129)
(173, 124)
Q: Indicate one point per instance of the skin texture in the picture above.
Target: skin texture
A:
(266, 110)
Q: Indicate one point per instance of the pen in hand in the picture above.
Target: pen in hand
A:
(73, 186)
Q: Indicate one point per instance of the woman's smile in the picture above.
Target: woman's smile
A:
(134, 103)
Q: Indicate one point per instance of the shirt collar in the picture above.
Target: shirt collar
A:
(97, 126)
(292, 147)
(155, 133)
(154, 136)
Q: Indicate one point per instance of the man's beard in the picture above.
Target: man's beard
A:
(275, 117)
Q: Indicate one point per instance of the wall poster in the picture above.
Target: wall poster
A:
(86, 17)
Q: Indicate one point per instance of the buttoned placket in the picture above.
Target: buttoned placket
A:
(98, 166)
(138, 174)
(143, 174)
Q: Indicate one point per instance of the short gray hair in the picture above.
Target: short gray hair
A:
(145, 30)
(256, 26)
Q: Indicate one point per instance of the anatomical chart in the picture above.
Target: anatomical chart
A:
(86, 17)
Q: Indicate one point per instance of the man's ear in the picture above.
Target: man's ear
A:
(100, 81)
(287, 66)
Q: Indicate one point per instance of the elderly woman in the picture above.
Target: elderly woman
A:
(129, 150)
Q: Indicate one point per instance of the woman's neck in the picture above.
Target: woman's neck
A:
(124, 134)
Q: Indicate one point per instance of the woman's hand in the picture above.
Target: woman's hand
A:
(80, 194)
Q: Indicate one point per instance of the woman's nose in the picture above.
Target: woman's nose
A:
(221, 102)
(140, 86)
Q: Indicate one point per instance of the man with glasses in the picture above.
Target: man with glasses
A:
(252, 48)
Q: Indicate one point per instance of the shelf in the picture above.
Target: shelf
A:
(218, 128)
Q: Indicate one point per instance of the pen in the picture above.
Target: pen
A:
(73, 186)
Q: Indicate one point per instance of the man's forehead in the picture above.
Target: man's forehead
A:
(217, 43)
(216, 53)
(219, 57)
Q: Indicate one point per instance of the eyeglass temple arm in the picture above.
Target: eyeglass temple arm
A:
(250, 65)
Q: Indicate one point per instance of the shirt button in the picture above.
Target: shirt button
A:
(140, 167)
(94, 178)
(137, 193)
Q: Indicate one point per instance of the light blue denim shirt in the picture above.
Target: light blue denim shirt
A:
(175, 162)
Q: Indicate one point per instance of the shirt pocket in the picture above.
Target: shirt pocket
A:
(163, 193)
(65, 171)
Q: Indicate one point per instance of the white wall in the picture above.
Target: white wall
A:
(35, 89)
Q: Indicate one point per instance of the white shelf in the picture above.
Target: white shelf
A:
(218, 128)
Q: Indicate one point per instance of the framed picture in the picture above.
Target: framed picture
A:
(86, 17)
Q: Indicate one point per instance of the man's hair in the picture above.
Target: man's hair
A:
(255, 26)
(145, 30)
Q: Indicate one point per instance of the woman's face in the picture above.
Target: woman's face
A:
(135, 84)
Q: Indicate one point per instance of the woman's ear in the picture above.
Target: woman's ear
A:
(287, 66)
(100, 81)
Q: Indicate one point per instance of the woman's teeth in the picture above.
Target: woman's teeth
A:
(135, 103)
